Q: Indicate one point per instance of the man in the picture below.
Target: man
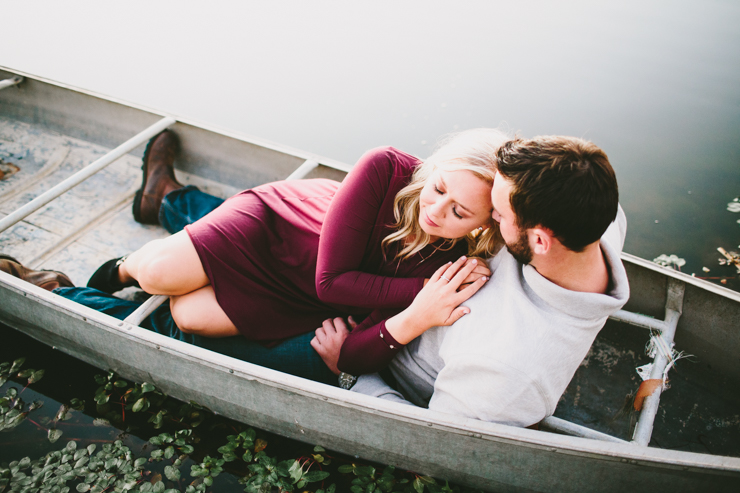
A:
(550, 292)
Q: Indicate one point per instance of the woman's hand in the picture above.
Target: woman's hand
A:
(329, 339)
(481, 270)
(438, 303)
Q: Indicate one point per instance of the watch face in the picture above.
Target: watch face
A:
(346, 381)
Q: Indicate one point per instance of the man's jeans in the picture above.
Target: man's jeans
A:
(180, 208)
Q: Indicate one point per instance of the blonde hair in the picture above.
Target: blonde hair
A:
(472, 150)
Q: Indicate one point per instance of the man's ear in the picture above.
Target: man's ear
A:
(541, 240)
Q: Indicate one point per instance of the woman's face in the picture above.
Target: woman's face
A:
(454, 203)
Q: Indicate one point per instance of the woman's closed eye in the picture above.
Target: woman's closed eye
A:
(436, 188)
(454, 211)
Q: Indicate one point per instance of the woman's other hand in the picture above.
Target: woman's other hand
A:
(438, 303)
(329, 339)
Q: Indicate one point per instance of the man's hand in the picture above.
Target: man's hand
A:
(481, 270)
(329, 339)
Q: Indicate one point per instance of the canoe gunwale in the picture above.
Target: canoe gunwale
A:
(238, 369)
(251, 139)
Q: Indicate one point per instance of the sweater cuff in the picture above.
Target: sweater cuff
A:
(388, 338)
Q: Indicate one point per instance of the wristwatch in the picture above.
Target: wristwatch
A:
(346, 381)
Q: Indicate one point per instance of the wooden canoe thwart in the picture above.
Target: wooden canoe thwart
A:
(70, 164)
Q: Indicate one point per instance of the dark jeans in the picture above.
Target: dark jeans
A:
(294, 356)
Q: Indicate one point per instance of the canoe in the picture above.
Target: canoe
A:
(70, 161)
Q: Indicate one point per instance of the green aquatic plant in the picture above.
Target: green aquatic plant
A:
(169, 466)
(13, 410)
(113, 468)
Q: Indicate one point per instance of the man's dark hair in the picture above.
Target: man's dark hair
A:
(564, 184)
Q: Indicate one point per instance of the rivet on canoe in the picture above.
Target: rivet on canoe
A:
(477, 435)
(624, 460)
(120, 324)
(326, 398)
(158, 346)
(429, 424)
(633, 462)
(231, 371)
(84, 319)
(553, 450)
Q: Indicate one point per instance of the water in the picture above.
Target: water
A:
(656, 85)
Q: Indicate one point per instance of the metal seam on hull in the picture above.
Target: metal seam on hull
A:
(74, 180)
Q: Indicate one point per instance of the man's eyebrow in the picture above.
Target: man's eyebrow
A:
(444, 185)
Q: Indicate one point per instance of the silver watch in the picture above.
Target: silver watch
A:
(346, 381)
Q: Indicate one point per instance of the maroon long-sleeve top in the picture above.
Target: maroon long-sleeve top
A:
(284, 256)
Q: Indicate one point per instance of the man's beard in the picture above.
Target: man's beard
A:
(521, 250)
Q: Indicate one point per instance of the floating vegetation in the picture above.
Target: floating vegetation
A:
(729, 258)
(178, 460)
(13, 409)
(672, 261)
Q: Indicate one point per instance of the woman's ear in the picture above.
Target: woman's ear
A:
(540, 240)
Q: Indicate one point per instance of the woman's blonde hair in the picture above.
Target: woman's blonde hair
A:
(472, 150)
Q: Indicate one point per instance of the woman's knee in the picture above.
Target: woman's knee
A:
(184, 316)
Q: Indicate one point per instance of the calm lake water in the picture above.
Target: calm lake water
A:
(656, 85)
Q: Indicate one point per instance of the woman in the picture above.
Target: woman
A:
(274, 262)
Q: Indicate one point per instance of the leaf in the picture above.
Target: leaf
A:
(156, 478)
(186, 449)
(418, 485)
(140, 462)
(141, 405)
(77, 404)
(313, 476)
(172, 473)
(16, 365)
(120, 383)
(35, 377)
(365, 470)
(83, 487)
(91, 448)
(319, 448)
(101, 422)
(347, 468)
(169, 452)
(62, 413)
(102, 398)
(259, 445)
(427, 480)
(147, 387)
(54, 435)
(208, 480)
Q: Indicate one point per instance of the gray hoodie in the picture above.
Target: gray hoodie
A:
(511, 358)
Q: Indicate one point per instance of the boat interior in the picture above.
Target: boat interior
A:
(81, 225)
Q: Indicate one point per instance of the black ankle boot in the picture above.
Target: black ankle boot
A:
(105, 279)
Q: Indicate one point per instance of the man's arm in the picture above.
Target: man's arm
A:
(373, 384)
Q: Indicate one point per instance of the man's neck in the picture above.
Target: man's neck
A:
(584, 271)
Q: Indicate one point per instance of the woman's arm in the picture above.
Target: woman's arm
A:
(348, 227)
(372, 345)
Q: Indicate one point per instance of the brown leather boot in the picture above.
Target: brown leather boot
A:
(158, 177)
(47, 279)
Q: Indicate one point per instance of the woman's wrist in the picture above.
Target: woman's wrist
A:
(405, 326)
